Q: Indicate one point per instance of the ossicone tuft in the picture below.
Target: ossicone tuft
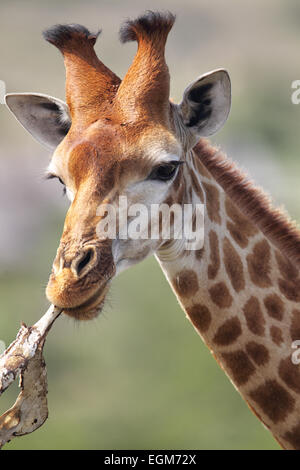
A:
(64, 36)
(149, 25)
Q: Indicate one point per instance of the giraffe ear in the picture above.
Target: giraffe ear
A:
(206, 103)
(46, 118)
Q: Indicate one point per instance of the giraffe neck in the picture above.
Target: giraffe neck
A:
(242, 296)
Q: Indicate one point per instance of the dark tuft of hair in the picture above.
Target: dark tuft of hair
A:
(149, 23)
(61, 34)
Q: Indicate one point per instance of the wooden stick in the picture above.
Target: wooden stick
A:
(24, 357)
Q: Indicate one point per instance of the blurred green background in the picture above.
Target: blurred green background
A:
(139, 376)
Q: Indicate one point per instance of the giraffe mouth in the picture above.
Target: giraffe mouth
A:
(92, 307)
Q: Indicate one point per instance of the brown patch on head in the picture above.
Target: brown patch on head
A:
(258, 353)
(290, 374)
(293, 436)
(276, 335)
(254, 317)
(85, 161)
(274, 400)
(295, 325)
(196, 185)
(290, 289)
(233, 266)
(228, 332)
(214, 265)
(240, 366)
(220, 295)
(186, 283)
(287, 269)
(200, 317)
(274, 306)
(212, 202)
(259, 264)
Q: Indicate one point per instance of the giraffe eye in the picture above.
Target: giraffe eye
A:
(165, 172)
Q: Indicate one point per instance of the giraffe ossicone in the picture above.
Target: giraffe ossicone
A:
(124, 138)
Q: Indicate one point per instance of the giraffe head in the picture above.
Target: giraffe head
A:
(115, 138)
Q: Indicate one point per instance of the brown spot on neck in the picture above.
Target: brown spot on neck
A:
(186, 283)
(258, 352)
(254, 317)
(290, 289)
(233, 266)
(220, 295)
(240, 227)
(295, 326)
(200, 317)
(237, 234)
(214, 265)
(287, 270)
(228, 332)
(259, 264)
(212, 202)
(239, 365)
(276, 335)
(275, 401)
(274, 306)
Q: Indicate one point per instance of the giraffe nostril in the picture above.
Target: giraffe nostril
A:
(84, 261)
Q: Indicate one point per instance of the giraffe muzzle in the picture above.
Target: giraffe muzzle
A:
(79, 282)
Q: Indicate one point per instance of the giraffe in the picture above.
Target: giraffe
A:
(112, 137)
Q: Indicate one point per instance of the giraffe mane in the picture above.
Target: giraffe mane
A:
(274, 222)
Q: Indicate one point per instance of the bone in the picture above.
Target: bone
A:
(24, 357)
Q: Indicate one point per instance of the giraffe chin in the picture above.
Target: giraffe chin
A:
(89, 309)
